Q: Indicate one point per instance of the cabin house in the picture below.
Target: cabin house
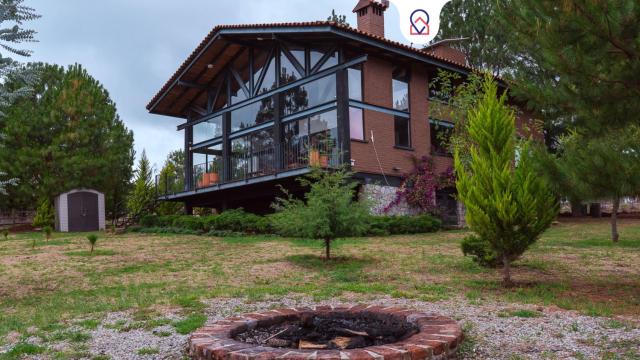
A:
(262, 103)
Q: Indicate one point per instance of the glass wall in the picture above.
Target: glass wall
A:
(311, 140)
(207, 130)
(253, 155)
(260, 112)
(309, 95)
(207, 166)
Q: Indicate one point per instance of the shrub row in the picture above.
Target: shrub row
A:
(232, 220)
(238, 221)
(399, 225)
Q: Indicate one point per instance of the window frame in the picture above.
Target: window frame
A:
(409, 132)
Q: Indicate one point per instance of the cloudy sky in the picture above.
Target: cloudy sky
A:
(133, 46)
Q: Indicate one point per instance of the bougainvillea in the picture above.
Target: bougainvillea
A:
(419, 187)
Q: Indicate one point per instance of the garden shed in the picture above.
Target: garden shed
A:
(79, 211)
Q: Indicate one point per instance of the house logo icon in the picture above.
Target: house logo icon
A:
(419, 23)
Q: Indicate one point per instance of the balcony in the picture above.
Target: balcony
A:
(282, 160)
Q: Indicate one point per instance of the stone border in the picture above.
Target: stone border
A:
(438, 337)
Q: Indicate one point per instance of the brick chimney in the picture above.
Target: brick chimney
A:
(370, 15)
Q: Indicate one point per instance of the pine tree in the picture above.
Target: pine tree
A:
(12, 11)
(66, 134)
(476, 31)
(142, 199)
(328, 211)
(172, 177)
(590, 54)
(606, 167)
(508, 205)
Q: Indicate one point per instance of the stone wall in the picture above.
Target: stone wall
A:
(380, 196)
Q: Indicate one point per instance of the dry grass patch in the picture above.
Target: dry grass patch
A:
(574, 266)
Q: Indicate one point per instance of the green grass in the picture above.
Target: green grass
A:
(20, 350)
(63, 284)
(523, 313)
(190, 324)
(148, 351)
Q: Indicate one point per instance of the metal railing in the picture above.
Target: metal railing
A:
(245, 165)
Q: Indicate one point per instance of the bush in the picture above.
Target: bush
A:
(480, 251)
(150, 221)
(45, 215)
(232, 221)
(238, 221)
(398, 225)
(189, 222)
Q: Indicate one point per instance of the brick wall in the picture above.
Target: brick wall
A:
(377, 75)
(377, 91)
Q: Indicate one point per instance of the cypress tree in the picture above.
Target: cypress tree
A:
(508, 205)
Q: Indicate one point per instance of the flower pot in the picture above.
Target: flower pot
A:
(214, 178)
(314, 158)
(324, 161)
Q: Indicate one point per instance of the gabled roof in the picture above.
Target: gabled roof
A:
(328, 27)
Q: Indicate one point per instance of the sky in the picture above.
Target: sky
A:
(134, 46)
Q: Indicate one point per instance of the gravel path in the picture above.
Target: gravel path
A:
(493, 331)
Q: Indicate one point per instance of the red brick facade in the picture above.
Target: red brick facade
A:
(377, 88)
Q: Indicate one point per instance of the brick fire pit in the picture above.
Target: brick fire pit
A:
(426, 336)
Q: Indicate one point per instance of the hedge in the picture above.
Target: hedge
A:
(399, 225)
(239, 221)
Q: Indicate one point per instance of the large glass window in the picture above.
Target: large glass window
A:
(288, 72)
(356, 123)
(207, 130)
(263, 63)
(400, 89)
(309, 95)
(440, 137)
(355, 83)
(318, 54)
(253, 155)
(257, 113)
(207, 166)
(311, 140)
(402, 131)
(241, 67)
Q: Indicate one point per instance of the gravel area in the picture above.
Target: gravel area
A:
(493, 330)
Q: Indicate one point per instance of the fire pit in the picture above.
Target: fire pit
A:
(358, 332)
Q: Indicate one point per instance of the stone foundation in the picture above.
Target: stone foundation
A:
(380, 196)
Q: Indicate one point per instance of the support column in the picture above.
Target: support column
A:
(226, 146)
(188, 158)
(344, 130)
(188, 209)
(278, 133)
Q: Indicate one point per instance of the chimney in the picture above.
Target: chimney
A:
(370, 15)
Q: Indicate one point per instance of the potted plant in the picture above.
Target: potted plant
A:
(212, 176)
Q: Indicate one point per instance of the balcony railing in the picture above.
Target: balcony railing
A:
(245, 165)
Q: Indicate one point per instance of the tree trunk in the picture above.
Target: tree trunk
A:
(327, 248)
(506, 272)
(614, 220)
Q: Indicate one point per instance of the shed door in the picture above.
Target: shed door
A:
(83, 212)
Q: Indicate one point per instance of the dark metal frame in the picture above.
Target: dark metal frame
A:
(229, 74)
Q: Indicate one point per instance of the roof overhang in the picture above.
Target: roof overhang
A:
(190, 83)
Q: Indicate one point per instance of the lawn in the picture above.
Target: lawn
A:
(574, 266)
